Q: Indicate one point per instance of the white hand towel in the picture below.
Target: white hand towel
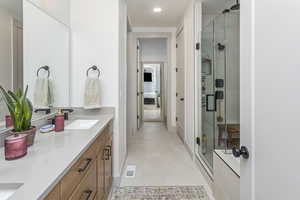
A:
(43, 93)
(92, 97)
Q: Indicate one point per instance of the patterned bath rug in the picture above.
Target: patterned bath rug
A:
(160, 193)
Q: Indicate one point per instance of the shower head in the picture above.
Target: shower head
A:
(236, 6)
(225, 11)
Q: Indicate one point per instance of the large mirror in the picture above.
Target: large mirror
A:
(34, 51)
(11, 49)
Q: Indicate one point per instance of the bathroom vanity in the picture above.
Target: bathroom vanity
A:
(73, 164)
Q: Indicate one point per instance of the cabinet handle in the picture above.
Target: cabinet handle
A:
(109, 149)
(88, 161)
(87, 194)
(106, 154)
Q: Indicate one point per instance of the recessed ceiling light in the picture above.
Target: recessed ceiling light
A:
(157, 9)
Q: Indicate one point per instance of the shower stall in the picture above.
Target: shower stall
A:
(219, 86)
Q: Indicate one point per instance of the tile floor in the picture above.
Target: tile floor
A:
(161, 159)
(152, 115)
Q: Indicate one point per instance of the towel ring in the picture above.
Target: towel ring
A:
(46, 68)
(95, 68)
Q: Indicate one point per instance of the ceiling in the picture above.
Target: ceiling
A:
(140, 12)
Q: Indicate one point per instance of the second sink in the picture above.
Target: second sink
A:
(81, 125)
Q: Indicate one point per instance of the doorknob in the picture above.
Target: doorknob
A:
(182, 99)
(240, 152)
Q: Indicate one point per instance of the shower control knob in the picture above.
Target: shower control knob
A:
(240, 152)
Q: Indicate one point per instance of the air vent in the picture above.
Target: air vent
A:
(130, 171)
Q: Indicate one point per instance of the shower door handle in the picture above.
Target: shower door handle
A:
(211, 105)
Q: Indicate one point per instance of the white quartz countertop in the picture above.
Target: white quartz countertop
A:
(48, 160)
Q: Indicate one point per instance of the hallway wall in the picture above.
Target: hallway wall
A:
(189, 41)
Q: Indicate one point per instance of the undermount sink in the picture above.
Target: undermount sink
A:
(81, 125)
(8, 189)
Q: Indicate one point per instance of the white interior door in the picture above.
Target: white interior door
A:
(270, 99)
(180, 83)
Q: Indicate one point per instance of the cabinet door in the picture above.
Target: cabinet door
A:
(100, 173)
(54, 194)
(108, 165)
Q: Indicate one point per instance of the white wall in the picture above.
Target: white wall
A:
(98, 38)
(123, 81)
(46, 42)
(59, 9)
(154, 50)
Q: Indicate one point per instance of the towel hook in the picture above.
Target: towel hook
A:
(95, 68)
(46, 68)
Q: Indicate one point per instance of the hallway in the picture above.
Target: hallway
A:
(161, 159)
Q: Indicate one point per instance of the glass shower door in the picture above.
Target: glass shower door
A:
(213, 88)
(208, 103)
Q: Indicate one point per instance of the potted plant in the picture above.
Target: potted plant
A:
(20, 109)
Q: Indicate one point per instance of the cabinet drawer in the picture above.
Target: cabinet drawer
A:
(87, 188)
(78, 171)
(54, 194)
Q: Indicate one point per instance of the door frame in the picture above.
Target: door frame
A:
(162, 92)
(167, 34)
(181, 126)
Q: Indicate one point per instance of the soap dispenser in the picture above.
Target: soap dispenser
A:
(59, 121)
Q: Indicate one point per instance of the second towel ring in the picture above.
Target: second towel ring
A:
(95, 68)
(46, 68)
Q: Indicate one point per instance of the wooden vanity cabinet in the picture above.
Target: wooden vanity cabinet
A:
(104, 162)
(100, 166)
(108, 166)
(54, 194)
(90, 178)
(87, 188)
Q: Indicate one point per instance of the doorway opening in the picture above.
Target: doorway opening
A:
(152, 60)
(152, 95)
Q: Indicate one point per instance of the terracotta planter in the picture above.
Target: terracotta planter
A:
(30, 135)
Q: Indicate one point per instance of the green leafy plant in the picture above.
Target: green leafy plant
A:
(20, 108)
